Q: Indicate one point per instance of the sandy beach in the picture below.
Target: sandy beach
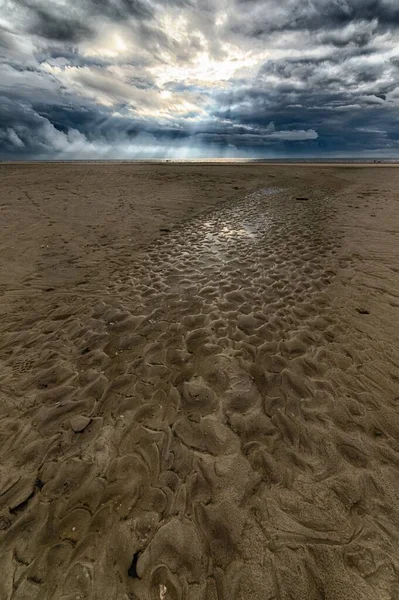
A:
(199, 382)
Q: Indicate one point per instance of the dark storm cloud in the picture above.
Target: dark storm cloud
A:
(77, 22)
(50, 23)
(342, 38)
(322, 73)
(120, 78)
(69, 55)
(114, 9)
(54, 27)
(280, 15)
(6, 41)
(120, 9)
(47, 21)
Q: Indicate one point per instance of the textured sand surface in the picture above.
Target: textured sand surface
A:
(199, 390)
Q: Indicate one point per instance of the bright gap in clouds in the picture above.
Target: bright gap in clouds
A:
(206, 71)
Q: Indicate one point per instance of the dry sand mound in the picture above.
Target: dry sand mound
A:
(219, 421)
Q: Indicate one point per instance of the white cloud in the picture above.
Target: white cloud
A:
(14, 138)
(294, 135)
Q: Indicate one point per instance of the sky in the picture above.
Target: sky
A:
(185, 79)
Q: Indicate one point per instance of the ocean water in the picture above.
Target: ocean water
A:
(222, 161)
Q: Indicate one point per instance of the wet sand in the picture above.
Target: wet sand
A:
(199, 382)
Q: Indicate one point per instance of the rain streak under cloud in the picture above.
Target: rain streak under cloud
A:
(198, 78)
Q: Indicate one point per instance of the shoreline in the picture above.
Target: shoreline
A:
(213, 162)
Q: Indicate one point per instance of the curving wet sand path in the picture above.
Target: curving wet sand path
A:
(212, 427)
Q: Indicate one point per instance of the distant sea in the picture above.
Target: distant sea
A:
(348, 161)
(336, 160)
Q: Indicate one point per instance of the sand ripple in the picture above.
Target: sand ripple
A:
(201, 431)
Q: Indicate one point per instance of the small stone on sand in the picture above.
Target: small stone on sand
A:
(79, 423)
